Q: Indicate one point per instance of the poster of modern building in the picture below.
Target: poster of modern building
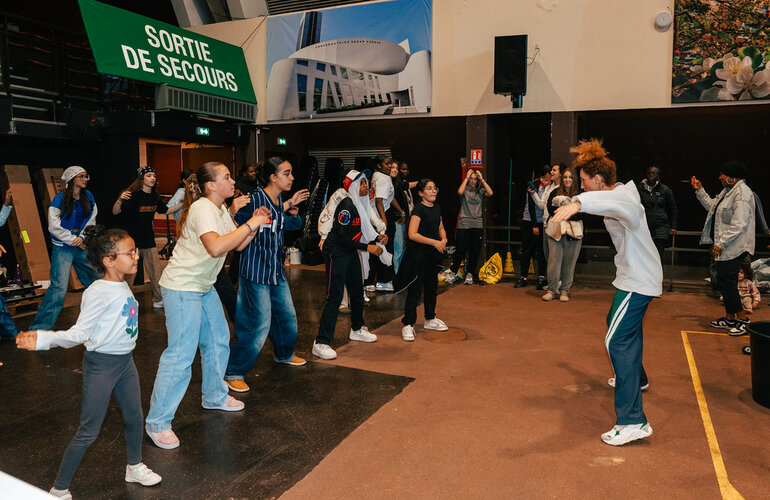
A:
(370, 59)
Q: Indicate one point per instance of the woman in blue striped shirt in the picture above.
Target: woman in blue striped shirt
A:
(264, 306)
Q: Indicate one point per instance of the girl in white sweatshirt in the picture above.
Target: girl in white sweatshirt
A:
(108, 327)
(639, 278)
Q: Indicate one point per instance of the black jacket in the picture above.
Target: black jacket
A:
(345, 234)
(660, 207)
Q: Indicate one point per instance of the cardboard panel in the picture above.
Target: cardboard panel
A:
(24, 223)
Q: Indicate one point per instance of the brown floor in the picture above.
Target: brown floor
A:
(516, 409)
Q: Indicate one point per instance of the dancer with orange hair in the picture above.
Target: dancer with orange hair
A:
(639, 278)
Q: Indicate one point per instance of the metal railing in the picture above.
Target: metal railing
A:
(673, 250)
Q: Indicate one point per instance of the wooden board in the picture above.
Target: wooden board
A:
(24, 223)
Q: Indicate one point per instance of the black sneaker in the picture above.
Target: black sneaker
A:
(541, 282)
(521, 283)
(739, 328)
(723, 323)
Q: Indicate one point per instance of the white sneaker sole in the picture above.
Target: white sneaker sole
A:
(369, 338)
(224, 407)
(324, 356)
(636, 435)
(151, 482)
(159, 444)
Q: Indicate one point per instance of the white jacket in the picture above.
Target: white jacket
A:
(326, 219)
(637, 261)
(734, 229)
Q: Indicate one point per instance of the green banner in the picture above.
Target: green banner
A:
(133, 46)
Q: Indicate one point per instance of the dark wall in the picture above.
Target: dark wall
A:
(431, 146)
(684, 142)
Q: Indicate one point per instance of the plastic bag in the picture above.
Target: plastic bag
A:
(492, 271)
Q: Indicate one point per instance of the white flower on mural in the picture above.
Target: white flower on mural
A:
(731, 66)
(752, 85)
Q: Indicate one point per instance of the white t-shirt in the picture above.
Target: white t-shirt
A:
(108, 322)
(383, 188)
(637, 261)
(191, 268)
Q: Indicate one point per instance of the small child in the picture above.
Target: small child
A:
(418, 271)
(747, 290)
(108, 327)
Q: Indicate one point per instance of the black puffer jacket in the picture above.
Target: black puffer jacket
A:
(660, 207)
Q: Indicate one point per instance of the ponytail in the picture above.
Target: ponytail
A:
(268, 168)
(195, 189)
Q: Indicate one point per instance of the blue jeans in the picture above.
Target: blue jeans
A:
(262, 311)
(7, 325)
(193, 320)
(62, 260)
(398, 245)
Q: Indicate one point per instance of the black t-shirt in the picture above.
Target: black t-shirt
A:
(138, 214)
(430, 219)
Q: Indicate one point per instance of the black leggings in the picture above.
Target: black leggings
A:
(468, 242)
(104, 375)
(425, 283)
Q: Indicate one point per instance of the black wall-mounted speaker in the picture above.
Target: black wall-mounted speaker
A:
(511, 65)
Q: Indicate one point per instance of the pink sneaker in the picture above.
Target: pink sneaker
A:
(164, 439)
(230, 404)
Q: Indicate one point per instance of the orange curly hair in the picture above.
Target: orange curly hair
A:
(592, 158)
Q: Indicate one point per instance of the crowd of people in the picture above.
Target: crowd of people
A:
(376, 236)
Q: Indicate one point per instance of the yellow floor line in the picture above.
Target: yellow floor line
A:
(727, 489)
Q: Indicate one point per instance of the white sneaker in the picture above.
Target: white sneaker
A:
(449, 277)
(366, 298)
(65, 494)
(435, 324)
(622, 434)
(324, 351)
(362, 335)
(157, 305)
(611, 383)
(469, 279)
(407, 333)
(384, 287)
(370, 288)
(141, 474)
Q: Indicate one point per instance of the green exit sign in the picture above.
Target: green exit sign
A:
(202, 131)
(281, 141)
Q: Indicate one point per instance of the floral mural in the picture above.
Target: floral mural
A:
(721, 50)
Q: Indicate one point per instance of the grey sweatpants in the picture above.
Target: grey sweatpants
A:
(103, 375)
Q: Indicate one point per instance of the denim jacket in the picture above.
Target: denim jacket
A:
(734, 229)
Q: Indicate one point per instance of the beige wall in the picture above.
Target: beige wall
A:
(594, 54)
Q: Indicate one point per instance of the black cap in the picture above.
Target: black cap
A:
(735, 169)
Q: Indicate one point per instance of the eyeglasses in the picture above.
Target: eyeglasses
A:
(132, 253)
(83, 176)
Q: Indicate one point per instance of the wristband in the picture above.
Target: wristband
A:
(291, 204)
(248, 226)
